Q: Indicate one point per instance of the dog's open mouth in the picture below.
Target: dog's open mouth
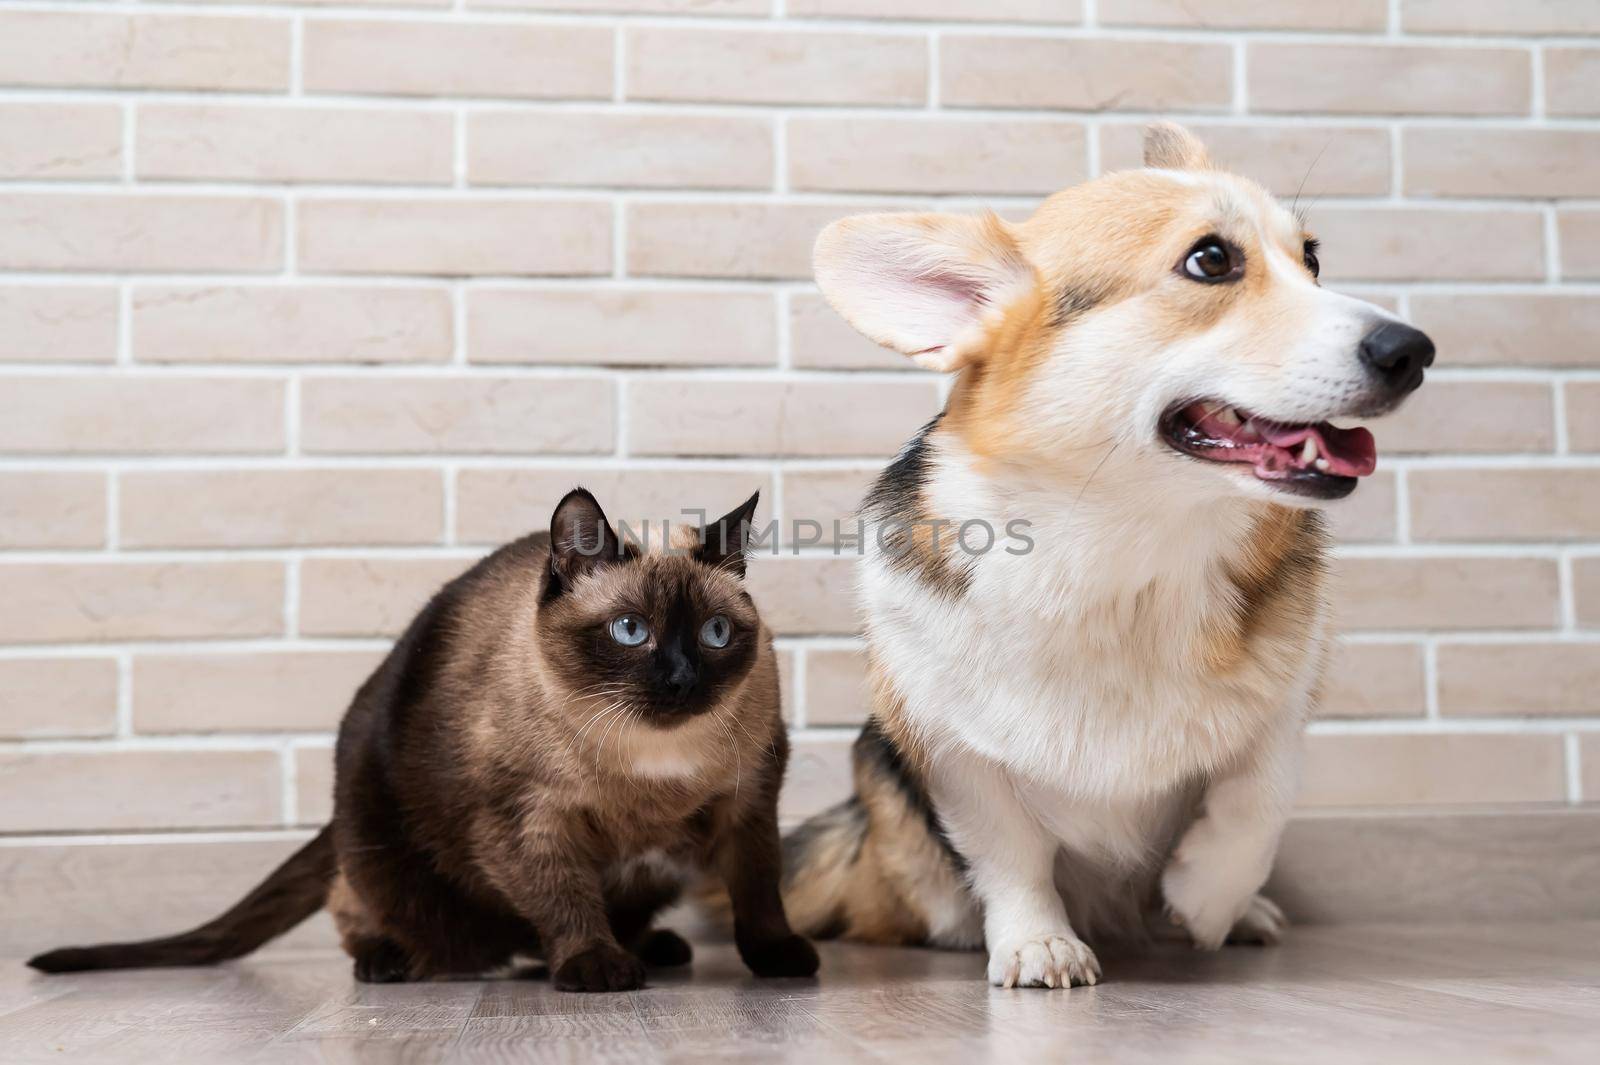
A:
(1316, 459)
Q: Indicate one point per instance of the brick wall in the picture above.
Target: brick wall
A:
(304, 306)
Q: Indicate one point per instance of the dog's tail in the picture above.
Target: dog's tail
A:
(294, 891)
(877, 867)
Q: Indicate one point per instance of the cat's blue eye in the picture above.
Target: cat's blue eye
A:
(630, 630)
(715, 632)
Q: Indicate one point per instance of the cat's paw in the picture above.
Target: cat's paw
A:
(600, 968)
(381, 961)
(1044, 961)
(793, 955)
(1262, 925)
(664, 949)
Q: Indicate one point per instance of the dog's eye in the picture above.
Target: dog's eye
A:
(1312, 262)
(630, 630)
(1210, 260)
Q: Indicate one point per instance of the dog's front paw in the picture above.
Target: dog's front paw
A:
(1045, 961)
(1262, 925)
(1207, 906)
(600, 968)
(792, 955)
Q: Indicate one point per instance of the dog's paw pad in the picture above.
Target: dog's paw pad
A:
(1047, 961)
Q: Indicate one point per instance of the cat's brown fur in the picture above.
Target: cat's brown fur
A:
(514, 781)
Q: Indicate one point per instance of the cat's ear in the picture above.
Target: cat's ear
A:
(724, 542)
(581, 540)
(931, 286)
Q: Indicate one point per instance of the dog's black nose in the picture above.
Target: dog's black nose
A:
(1398, 354)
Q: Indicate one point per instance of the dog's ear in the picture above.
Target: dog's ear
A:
(1168, 146)
(927, 285)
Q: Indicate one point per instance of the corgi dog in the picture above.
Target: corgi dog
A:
(1070, 741)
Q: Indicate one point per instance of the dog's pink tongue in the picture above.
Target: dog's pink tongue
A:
(1350, 452)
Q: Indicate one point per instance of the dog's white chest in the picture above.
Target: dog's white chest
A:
(1105, 706)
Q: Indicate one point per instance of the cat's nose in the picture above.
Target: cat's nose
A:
(682, 679)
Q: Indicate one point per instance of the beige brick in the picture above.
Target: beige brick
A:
(775, 66)
(805, 595)
(1368, 515)
(825, 497)
(1586, 590)
(1511, 329)
(786, 682)
(1521, 17)
(817, 778)
(1572, 81)
(1060, 11)
(836, 687)
(655, 150)
(107, 790)
(741, 240)
(1579, 237)
(39, 142)
(1432, 769)
(1429, 243)
(1505, 504)
(48, 323)
(1583, 415)
(287, 691)
(1519, 679)
(280, 508)
(45, 697)
(1299, 160)
(820, 339)
(700, 8)
(1389, 79)
(64, 231)
(1470, 416)
(1540, 163)
(1589, 763)
(52, 509)
(95, 50)
(547, 61)
(1348, 15)
(72, 602)
(671, 415)
(499, 504)
(481, 415)
(140, 415)
(254, 143)
(291, 323)
(1374, 680)
(455, 237)
(622, 327)
(935, 155)
(1084, 74)
(369, 596)
(1445, 593)
(313, 785)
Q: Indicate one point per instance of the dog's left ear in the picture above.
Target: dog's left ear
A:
(1168, 146)
(927, 285)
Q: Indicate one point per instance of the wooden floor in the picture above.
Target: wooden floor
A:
(1336, 994)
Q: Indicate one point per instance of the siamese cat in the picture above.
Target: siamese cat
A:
(563, 738)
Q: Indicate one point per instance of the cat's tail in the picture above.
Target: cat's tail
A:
(295, 890)
(877, 867)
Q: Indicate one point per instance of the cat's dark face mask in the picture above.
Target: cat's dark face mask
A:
(664, 636)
